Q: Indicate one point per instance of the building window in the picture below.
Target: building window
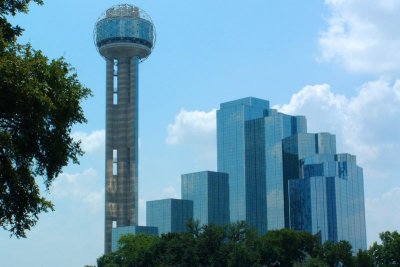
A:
(115, 83)
(115, 162)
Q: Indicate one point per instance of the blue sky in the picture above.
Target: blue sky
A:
(335, 61)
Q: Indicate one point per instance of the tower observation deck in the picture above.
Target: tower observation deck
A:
(125, 36)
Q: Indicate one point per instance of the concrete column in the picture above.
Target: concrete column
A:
(121, 136)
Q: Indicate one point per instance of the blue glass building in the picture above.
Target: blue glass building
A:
(169, 215)
(264, 159)
(281, 176)
(117, 232)
(209, 192)
(329, 199)
(325, 189)
(231, 154)
(249, 149)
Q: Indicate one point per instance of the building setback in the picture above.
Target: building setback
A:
(249, 149)
(209, 192)
(329, 199)
(281, 176)
(169, 215)
(264, 162)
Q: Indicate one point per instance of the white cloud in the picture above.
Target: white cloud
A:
(170, 192)
(363, 35)
(365, 125)
(91, 142)
(195, 131)
(190, 126)
(81, 187)
(68, 184)
(383, 213)
(95, 200)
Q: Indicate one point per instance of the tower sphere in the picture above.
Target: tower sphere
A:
(124, 30)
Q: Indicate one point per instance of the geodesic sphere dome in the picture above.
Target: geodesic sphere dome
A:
(124, 29)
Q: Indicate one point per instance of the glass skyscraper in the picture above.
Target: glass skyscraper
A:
(209, 192)
(328, 199)
(231, 149)
(275, 126)
(249, 143)
(169, 215)
(281, 176)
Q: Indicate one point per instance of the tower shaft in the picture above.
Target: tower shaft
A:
(121, 181)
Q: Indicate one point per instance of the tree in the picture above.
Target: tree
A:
(363, 259)
(285, 247)
(39, 104)
(136, 250)
(8, 33)
(210, 246)
(176, 249)
(243, 243)
(387, 253)
(337, 254)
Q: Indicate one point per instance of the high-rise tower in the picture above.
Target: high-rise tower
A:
(124, 36)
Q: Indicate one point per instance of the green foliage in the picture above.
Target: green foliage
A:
(285, 247)
(212, 245)
(110, 260)
(387, 253)
(337, 254)
(137, 250)
(239, 245)
(242, 246)
(39, 104)
(9, 33)
(363, 259)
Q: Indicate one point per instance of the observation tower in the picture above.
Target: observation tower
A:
(125, 36)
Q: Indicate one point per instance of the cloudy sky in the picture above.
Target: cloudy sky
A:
(335, 61)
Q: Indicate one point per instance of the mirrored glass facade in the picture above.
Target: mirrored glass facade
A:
(281, 176)
(169, 215)
(278, 126)
(249, 141)
(117, 232)
(231, 149)
(209, 192)
(124, 29)
(329, 199)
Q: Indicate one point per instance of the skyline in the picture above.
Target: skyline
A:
(187, 77)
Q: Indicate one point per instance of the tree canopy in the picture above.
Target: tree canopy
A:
(239, 245)
(212, 245)
(39, 103)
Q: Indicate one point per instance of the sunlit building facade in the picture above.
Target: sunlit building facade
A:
(231, 154)
(249, 149)
(328, 199)
(209, 192)
(264, 162)
(281, 176)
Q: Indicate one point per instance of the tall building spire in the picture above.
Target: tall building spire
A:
(124, 35)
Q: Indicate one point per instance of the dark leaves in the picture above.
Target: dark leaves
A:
(39, 103)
